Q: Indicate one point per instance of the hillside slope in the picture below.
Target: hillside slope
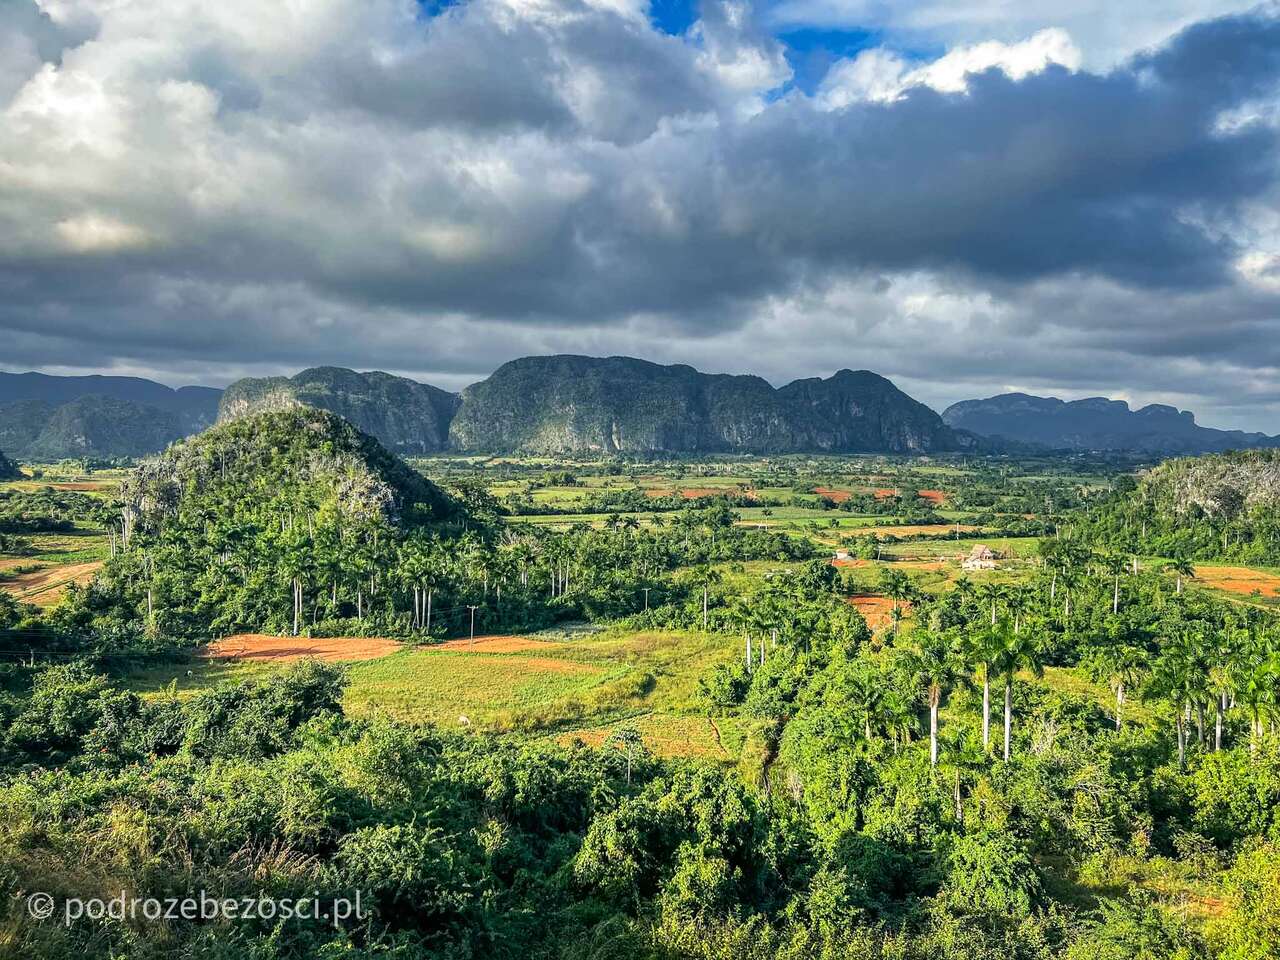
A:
(1095, 424)
(247, 471)
(89, 426)
(408, 417)
(572, 404)
(195, 407)
(1216, 506)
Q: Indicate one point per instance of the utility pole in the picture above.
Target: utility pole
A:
(473, 627)
(646, 599)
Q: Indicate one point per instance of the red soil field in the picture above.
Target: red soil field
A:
(877, 611)
(836, 496)
(1240, 580)
(258, 646)
(937, 496)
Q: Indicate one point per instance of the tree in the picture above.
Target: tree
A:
(1181, 566)
(1022, 651)
(627, 739)
(938, 667)
(982, 649)
(1120, 666)
(707, 576)
(897, 587)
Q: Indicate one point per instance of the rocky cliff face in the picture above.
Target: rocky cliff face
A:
(860, 411)
(407, 417)
(1095, 424)
(570, 404)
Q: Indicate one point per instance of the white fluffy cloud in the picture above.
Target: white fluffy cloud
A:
(200, 190)
(879, 75)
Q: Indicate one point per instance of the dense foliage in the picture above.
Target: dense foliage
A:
(1220, 506)
(1079, 762)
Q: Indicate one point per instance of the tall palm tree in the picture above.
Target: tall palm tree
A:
(1121, 666)
(982, 650)
(1115, 565)
(990, 595)
(1181, 567)
(897, 587)
(706, 575)
(1022, 651)
(937, 664)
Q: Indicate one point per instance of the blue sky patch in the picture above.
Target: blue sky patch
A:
(673, 16)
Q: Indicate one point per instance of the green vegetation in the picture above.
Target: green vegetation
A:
(408, 417)
(575, 405)
(686, 731)
(1222, 506)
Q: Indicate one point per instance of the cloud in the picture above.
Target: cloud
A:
(229, 187)
(878, 75)
(1106, 32)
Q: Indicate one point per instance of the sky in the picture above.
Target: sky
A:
(1072, 199)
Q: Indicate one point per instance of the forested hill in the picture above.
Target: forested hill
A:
(1217, 505)
(571, 404)
(50, 418)
(257, 518)
(408, 417)
(1095, 424)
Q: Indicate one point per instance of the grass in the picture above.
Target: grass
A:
(440, 686)
(567, 683)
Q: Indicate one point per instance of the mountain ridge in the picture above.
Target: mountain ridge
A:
(406, 416)
(1095, 423)
(568, 403)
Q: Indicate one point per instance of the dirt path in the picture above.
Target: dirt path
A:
(715, 731)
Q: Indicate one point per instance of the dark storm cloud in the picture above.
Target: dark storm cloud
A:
(365, 187)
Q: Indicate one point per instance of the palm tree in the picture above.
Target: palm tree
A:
(897, 586)
(990, 594)
(1182, 567)
(981, 651)
(706, 575)
(1017, 601)
(1115, 565)
(1181, 675)
(1022, 651)
(936, 663)
(1120, 665)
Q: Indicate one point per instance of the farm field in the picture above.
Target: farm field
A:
(561, 683)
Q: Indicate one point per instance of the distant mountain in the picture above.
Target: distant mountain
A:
(572, 404)
(1095, 424)
(407, 417)
(51, 418)
(195, 407)
(91, 426)
(863, 412)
